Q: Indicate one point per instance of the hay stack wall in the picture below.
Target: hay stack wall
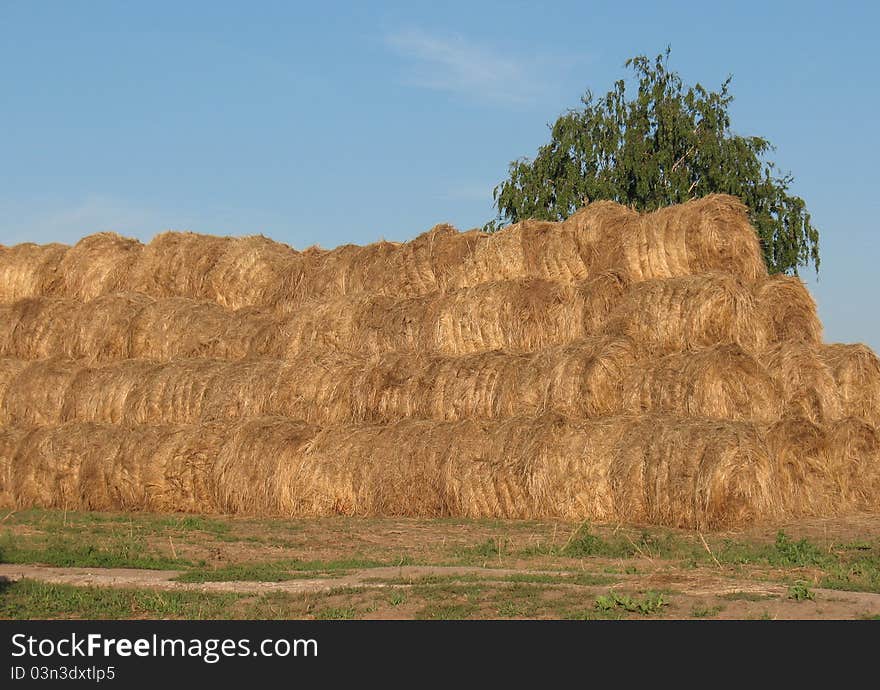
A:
(616, 366)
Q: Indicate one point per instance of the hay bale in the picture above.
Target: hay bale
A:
(177, 264)
(261, 468)
(65, 467)
(528, 249)
(249, 272)
(806, 485)
(100, 393)
(433, 260)
(516, 315)
(29, 270)
(808, 387)
(84, 466)
(96, 265)
(495, 257)
(677, 314)
(6, 319)
(856, 372)
(854, 463)
(788, 311)
(346, 470)
(102, 326)
(600, 296)
(241, 389)
(253, 332)
(36, 395)
(598, 228)
(649, 469)
(173, 393)
(580, 380)
(316, 274)
(692, 473)
(10, 438)
(723, 382)
(178, 327)
(524, 315)
(40, 327)
(9, 370)
(429, 263)
(165, 468)
(712, 234)
(486, 470)
(318, 387)
(369, 270)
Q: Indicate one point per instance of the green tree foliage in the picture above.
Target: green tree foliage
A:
(669, 144)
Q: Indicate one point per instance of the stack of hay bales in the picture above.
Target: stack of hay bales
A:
(617, 366)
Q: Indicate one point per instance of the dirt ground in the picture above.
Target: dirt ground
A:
(419, 568)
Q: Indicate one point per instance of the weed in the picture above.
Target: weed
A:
(31, 599)
(705, 611)
(336, 614)
(652, 602)
(799, 592)
(121, 552)
(397, 598)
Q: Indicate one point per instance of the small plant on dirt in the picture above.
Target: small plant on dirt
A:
(584, 543)
(799, 553)
(397, 598)
(799, 592)
(494, 547)
(653, 602)
(336, 614)
(705, 611)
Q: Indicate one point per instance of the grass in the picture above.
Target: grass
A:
(445, 612)
(705, 611)
(121, 551)
(783, 553)
(397, 598)
(276, 571)
(799, 592)
(491, 549)
(31, 599)
(651, 603)
(560, 568)
(582, 578)
(853, 566)
(143, 523)
(336, 614)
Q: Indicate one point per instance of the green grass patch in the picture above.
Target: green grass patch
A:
(705, 611)
(783, 553)
(31, 599)
(649, 604)
(119, 552)
(490, 549)
(459, 611)
(345, 613)
(397, 597)
(276, 571)
(800, 592)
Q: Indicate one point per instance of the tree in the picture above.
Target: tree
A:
(669, 144)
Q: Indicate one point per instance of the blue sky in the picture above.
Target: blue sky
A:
(327, 123)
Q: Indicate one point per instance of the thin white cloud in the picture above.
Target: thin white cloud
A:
(459, 66)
